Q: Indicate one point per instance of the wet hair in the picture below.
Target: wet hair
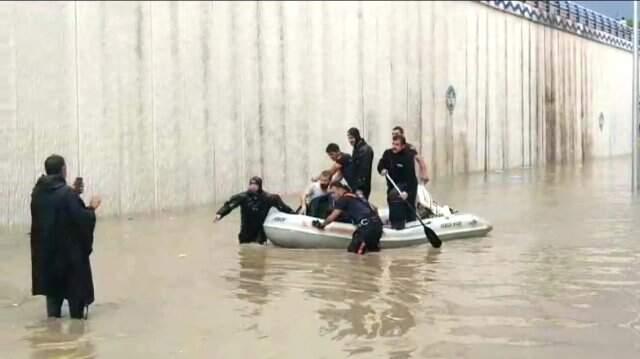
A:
(332, 147)
(340, 184)
(54, 164)
(353, 132)
(400, 138)
(399, 129)
(326, 173)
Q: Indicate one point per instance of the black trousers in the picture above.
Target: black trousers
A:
(320, 207)
(399, 212)
(366, 238)
(252, 232)
(54, 308)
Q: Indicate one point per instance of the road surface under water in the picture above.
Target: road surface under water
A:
(557, 278)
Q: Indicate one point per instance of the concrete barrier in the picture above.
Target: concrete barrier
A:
(164, 105)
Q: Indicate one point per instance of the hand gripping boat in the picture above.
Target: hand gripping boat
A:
(296, 231)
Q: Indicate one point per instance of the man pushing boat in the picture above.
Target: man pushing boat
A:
(369, 226)
(255, 204)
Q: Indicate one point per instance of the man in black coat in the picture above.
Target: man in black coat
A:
(61, 241)
(362, 158)
(399, 163)
(422, 165)
(254, 204)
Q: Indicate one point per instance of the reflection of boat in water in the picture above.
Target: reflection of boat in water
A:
(296, 231)
(374, 298)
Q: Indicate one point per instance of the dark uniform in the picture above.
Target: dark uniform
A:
(367, 236)
(401, 168)
(320, 207)
(254, 208)
(347, 168)
(61, 242)
(362, 164)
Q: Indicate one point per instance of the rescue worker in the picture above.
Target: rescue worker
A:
(342, 165)
(367, 236)
(254, 204)
(362, 158)
(399, 163)
(422, 165)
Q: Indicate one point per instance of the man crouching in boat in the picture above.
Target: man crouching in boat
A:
(316, 201)
(367, 236)
(255, 205)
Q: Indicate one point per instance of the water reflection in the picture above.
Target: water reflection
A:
(558, 277)
(349, 297)
(373, 298)
(250, 279)
(59, 338)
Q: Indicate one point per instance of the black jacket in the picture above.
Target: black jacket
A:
(362, 165)
(254, 208)
(61, 241)
(401, 168)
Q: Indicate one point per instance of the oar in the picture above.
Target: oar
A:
(431, 235)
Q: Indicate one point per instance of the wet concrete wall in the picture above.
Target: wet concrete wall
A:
(163, 105)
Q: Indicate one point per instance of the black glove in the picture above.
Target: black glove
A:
(316, 223)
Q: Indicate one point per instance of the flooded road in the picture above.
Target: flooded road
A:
(559, 277)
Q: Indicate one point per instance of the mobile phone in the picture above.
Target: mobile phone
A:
(78, 184)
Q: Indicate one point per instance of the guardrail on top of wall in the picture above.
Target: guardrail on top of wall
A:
(571, 17)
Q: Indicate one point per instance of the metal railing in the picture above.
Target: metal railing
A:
(572, 17)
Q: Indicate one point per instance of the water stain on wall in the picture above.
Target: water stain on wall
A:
(558, 69)
(550, 103)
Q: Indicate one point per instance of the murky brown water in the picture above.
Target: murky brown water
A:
(558, 278)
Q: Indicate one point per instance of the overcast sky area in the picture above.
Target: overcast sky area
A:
(613, 9)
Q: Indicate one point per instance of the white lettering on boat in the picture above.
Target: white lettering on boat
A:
(451, 224)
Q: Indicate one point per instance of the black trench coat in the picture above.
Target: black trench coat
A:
(61, 241)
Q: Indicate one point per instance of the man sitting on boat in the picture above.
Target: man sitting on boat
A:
(254, 207)
(369, 226)
(316, 200)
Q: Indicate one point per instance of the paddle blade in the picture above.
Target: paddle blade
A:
(432, 237)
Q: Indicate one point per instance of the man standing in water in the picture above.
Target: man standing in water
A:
(61, 241)
(254, 208)
(362, 158)
(367, 236)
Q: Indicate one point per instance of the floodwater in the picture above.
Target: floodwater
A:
(557, 278)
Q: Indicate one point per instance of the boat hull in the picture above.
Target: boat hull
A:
(296, 231)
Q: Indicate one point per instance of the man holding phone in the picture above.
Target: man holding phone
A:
(62, 241)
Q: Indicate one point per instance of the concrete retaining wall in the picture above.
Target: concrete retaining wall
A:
(165, 105)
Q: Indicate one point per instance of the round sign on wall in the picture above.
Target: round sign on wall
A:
(601, 121)
(451, 99)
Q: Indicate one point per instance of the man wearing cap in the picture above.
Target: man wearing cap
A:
(254, 207)
(367, 236)
(362, 158)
